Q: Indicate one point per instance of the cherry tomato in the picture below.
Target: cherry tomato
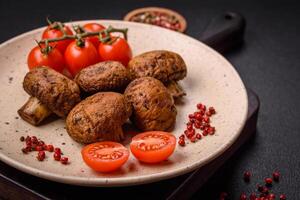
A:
(153, 146)
(93, 27)
(53, 59)
(105, 156)
(51, 33)
(119, 50)
(78, 57)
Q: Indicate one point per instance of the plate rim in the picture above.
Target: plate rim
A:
(143, 179)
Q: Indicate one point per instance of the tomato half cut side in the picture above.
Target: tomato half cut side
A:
(153, 146)
(105, 156)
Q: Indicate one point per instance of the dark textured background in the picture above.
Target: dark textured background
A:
(268, 63)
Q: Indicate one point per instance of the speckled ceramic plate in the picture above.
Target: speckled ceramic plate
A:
(211, 79)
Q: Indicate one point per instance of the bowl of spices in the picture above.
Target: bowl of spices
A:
(162, 17)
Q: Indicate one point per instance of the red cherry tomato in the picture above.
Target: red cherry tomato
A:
(153, 146)
(53, 59)
(51, 33)
(93, 27)
(119, 50)
(105, 156)
(78, 57)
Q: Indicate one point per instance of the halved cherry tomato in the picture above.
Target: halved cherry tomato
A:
(153, 146)
(50, 33)
(105, 156)
(53, 59)
(79, 57)
(119, 50)
(93, 27)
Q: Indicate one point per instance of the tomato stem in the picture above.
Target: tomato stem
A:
(106, 32)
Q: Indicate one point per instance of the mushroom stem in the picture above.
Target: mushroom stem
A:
(33, 111)
(175, 89)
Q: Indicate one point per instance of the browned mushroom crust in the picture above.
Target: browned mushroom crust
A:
(153, 106)
(103, 76)
(162, 65)
(53, 89)
(99, 117)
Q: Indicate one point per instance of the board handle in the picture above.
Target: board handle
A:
(224, 32)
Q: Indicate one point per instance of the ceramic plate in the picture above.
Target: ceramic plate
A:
(211, 79)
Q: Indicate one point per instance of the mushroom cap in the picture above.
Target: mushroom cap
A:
(103, 76)
(98, 117)
(162, 65)
(54, 90)
(153, 105)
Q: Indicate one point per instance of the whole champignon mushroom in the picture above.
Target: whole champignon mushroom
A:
(50, 92)
(153, 106)
(99, 117)
(103, 76)
(166, 66)
(160, 64)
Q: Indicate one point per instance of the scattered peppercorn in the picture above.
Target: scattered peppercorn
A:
(223, 196)
(243, 196)
(57, 156)
(247, 176)
(181, 142)
(276, 176)
(41, 155)
(268, 181)
(64, 160)
(282, 197)
(252, 196)
(35, 144)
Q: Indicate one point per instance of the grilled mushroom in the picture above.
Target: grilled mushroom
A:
(166, 66)
(50, 92)
(153, 105)
(99, 117)
(103, 76)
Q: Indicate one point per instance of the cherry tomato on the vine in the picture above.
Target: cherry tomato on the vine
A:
(79, 57)
(53, 59)
(50, 33)
(119, 50)
(93, 27)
